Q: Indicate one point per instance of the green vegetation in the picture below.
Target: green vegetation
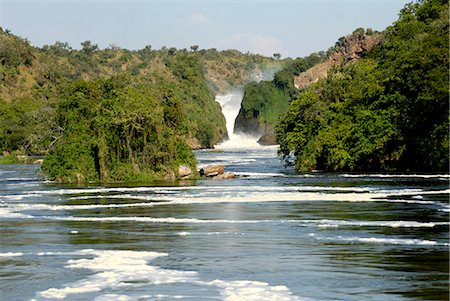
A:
(264, 102)
(128, 128)
(386, 112)
(8, 160)
(115, 131)
(114, 114)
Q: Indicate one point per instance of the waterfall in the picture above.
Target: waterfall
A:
(231, 104)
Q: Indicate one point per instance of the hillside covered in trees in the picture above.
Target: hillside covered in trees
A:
(264, 102)
(388, 111)
(115, 114)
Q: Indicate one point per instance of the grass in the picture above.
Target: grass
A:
(8, 160)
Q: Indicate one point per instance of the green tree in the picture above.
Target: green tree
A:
(88, 47)
(386, 112)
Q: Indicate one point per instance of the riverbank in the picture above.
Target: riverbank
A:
(20, 159)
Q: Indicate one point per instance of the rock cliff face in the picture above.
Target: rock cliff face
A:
(260, 110)
(347, 50)
(261, 106)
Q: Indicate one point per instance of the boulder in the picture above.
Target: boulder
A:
(226, 175)
(80, 178)
(22, 158)
(38, 162)
(184, 171)
(268, 139)
(212, 170)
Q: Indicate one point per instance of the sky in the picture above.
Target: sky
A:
(294, 28)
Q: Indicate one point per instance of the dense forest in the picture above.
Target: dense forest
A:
(115, 114)
(388, 111)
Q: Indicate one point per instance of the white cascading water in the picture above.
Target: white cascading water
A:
(231, 104)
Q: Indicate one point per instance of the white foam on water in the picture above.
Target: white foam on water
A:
(12, 212)
(378, 240)
(155, 220)
(126, 270)
(115, 297)
(234, 195)
(261, 175)
(18, 179)
(253, 291)
(411, 202)
(414, 192)
(239, 142)
(176, 189)
(96, 190)
(219, 194)
(445, 208)
(423, 176)
(71, 253)
(117, 269)
(224, 233)
(325, 223)
(11, 254)
(184, 233)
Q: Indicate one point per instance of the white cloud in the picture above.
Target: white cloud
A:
(196, 19)
(255, 43)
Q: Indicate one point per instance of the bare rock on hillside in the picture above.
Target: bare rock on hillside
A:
(350, 49)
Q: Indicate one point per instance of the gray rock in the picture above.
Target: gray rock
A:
(226, 175)
(212, 170)
(184, 171)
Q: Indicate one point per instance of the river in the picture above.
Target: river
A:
(267, 235)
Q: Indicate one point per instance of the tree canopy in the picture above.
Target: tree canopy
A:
(386, 112)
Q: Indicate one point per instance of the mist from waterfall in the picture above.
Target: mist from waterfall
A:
(231, 103)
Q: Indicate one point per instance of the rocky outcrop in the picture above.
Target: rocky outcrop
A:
(184, 171)
(38, 162)
(252, 126)
(225, 175)
(212, 170)
(268, 138)
(347, 50)
(216, 172)
(247, 122)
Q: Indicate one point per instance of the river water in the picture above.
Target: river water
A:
(267, 235)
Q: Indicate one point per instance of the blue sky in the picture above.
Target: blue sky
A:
(292, 28)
